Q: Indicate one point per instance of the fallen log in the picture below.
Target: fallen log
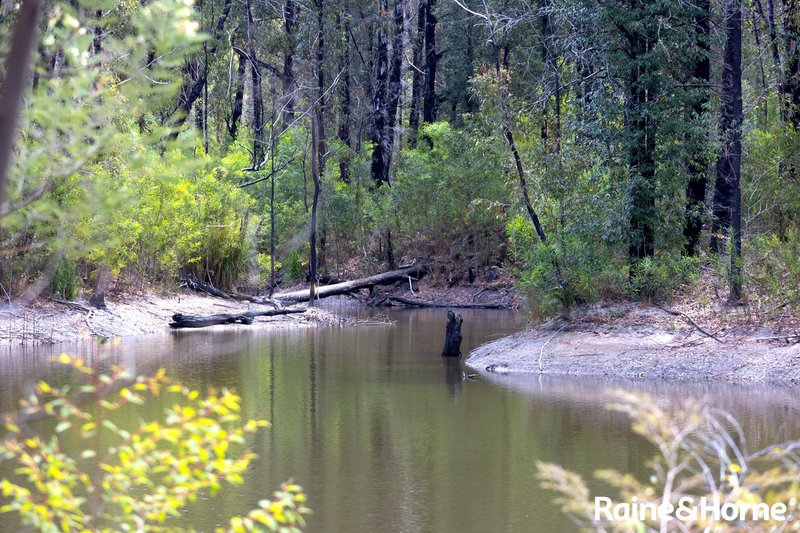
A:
(347, 287)
(179, 320)
(417, 303)
(200, 286)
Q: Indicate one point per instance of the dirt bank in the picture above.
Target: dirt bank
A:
(644, 342)
(48, 321)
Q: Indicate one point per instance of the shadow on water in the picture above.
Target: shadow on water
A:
(386, 435)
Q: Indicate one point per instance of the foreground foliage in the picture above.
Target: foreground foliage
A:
(95, 475)
(700, 452)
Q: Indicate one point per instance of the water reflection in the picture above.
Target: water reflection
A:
(386, 435)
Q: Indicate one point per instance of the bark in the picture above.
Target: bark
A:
(196, 76)
(452, 336)
(180, 320)
(431, 61)
(417, 73)
(698, 169)
(348, 287)
(379, 167)
(524, 186)
(727, 194)
(17, 72)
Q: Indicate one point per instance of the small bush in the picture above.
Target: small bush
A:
(565, 271)
(773, 268)
(96, 476)
(655, 279)
(64, 281)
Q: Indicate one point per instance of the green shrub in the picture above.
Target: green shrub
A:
(96, 476)
(64, 281)
(773, 268)
(655, 279)
(295, 266)
(564, 272)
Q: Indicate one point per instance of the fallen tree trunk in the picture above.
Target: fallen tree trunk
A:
(180, 320)
(200, 286)
(416, 303)
(347, 287)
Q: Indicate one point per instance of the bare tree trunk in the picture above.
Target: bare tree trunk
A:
(237, 105)
(727, 193)
(17, 70)
(379, 168)
(317, 148)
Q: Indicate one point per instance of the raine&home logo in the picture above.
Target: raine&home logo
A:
(689, 509)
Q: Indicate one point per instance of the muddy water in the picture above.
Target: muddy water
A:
(385, 436)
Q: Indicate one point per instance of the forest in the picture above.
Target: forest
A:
(591, 149)
(608, 190)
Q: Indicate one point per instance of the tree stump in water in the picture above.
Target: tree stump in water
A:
(452, 336)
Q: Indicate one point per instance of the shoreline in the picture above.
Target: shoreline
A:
(644, 344)
(52, 322)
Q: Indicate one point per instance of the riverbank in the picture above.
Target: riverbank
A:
(50, 322)
(638, 341)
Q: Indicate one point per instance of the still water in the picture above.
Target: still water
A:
(386, 436)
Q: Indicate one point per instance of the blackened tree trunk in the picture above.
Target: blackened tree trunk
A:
(237, 105)
(345, 119)
(287, 78)
(431, 61)
(698, 168)
(452, 335)
(317, 147)
(380, 111)
(727, 193)
(417, 74)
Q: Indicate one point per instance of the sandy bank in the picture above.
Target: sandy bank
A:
(640, 342)
(51, 322)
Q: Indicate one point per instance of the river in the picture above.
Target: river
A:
(386, 436)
